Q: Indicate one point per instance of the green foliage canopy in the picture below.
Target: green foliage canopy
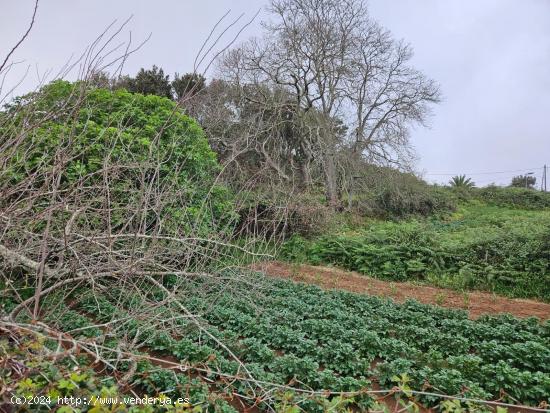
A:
(135, 142)
(148, 82)
(188, 85)
(513, 197)
(523, 181)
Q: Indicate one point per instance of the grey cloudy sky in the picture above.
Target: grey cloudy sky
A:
(491, 58)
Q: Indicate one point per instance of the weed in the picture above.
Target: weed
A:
(466, 299)
(440, 298)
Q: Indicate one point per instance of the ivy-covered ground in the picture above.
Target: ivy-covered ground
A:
(501, 249)
(310, 340)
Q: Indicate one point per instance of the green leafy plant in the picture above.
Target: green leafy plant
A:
(460, 181)
(128, 129)
(479, 247)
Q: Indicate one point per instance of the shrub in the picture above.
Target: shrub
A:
(266, 214)
(513, 197)
(137, 142)
(386, 192)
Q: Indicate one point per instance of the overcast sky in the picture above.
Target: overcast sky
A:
(491, 58)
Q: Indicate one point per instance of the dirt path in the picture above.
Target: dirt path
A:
(477, 303)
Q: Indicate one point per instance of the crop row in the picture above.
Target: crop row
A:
(339, 341)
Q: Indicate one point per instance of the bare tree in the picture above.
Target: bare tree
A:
(252, 129)
(387, 95)
(5, 63)
(351, 84)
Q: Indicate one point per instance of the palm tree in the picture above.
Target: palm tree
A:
(460, 181)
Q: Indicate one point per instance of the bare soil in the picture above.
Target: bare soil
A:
(475, 302)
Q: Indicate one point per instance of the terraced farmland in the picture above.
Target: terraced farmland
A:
(302, 341)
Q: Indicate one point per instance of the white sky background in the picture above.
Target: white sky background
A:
(491, 58)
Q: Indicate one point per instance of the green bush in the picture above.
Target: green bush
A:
(513, 197)
(389, 193)
(137, 140)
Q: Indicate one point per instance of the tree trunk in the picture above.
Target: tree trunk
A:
(305, 165)
(305, 176)
(331, 182)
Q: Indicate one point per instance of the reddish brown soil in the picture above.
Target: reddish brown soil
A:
(477, 303)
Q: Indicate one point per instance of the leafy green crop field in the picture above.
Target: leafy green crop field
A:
(500, 249)
(315, 340)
